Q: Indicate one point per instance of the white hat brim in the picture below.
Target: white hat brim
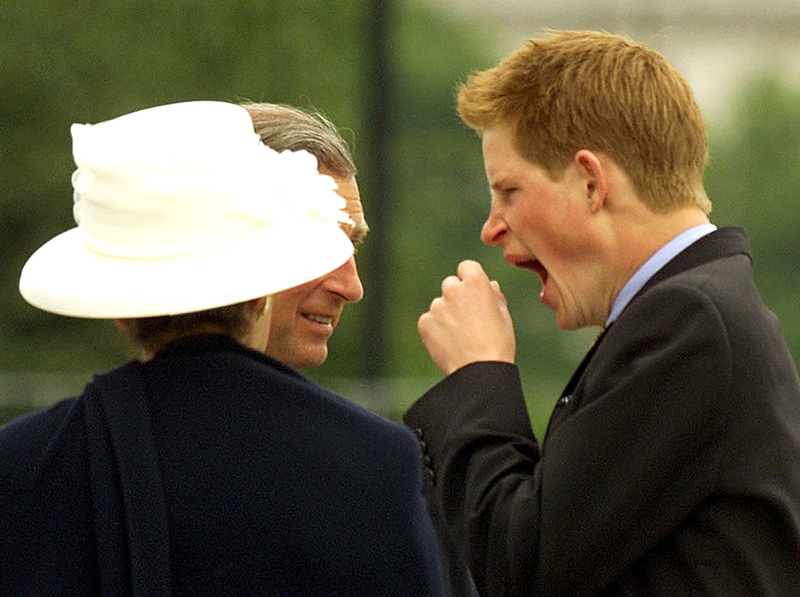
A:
(64, 277)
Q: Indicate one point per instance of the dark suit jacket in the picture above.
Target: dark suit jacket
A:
(671, 464)
(212, 470)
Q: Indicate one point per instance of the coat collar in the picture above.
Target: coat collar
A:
(206, 343)
(724, 242)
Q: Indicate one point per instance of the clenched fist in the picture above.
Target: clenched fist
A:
(469, 322)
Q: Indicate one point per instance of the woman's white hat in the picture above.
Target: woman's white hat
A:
(181, 208)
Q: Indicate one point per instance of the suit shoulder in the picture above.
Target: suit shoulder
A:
(724, 288)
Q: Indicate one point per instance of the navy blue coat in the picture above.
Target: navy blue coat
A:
(212, 470)
(671, 464)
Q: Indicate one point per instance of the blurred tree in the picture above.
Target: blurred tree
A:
(754, 181)
(62, 62)
(67, 61)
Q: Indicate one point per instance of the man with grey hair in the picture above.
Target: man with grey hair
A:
(305, 317)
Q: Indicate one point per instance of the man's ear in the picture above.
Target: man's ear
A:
(260, 307)
(594, 178)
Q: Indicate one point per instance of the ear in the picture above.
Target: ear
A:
(259, 307)
(594, 178)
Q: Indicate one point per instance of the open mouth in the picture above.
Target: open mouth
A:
(536, 267)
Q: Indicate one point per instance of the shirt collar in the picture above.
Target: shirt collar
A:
(658, 260)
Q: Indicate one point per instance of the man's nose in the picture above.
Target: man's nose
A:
(493, 228)
(345, 282)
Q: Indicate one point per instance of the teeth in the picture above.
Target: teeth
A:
(320, 319)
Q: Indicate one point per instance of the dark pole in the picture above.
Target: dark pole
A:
(377, 255)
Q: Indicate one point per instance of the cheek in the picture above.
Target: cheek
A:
(284, 307)
(568, 246)
(557, 239)
(536, 229)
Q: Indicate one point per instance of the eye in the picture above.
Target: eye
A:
(504, 191)
(508, 193)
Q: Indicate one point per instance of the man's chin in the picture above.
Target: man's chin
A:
(312, 358)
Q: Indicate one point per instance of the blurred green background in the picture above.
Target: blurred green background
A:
(385, 73)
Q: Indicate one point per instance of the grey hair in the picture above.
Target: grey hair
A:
(283, 127)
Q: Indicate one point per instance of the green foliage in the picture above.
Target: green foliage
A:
(63, 62)
(754, 181)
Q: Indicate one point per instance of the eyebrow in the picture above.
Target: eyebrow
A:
(356, 232)
(500, 183)
(359, 233)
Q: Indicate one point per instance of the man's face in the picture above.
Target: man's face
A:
(543, 226)
(304, 317)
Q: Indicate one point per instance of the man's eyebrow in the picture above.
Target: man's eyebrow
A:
(498, 184)
(359, 233)
(355, 232)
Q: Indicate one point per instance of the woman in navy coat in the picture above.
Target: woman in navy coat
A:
(205, 467)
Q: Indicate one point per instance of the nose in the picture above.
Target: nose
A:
(345, 282)
(493, 228)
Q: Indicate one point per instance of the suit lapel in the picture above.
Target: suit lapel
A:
(565, 402)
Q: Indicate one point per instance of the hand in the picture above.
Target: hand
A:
(470, 322)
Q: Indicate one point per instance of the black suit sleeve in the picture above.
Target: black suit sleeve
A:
(627, 461)
(481, 460)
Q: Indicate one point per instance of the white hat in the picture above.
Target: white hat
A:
(181, 208)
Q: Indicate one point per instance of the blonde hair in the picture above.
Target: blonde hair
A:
(574, 90)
